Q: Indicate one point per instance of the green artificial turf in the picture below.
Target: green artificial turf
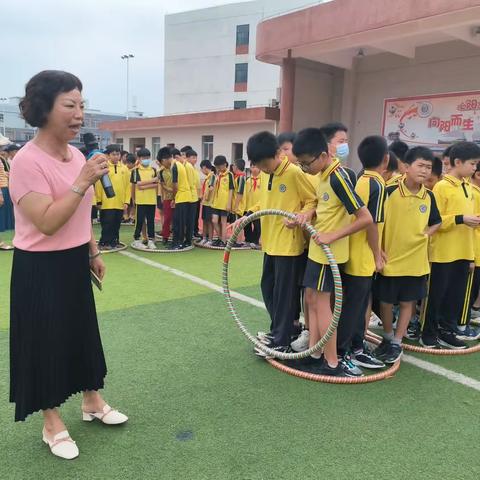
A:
(201, 406)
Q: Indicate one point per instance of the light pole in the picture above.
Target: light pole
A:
(127, 57)
(3, 100)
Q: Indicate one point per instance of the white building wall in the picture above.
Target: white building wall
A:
(223, 136)
(200, 57)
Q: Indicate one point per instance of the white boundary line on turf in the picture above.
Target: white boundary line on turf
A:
(417, 362)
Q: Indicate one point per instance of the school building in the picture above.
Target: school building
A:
(407, 70)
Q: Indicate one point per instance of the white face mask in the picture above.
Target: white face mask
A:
(146, 163)
(342, 151)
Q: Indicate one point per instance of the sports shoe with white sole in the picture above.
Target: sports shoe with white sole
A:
(301, 343)
(151, 245)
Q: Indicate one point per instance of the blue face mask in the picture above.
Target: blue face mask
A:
(342, 151)
(146, 163)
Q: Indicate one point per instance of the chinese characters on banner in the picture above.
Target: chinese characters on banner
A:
(433, 120)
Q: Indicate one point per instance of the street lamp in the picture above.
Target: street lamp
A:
(127, 57)
(3, 100)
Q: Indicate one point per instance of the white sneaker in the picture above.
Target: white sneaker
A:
(62, 445)
(301, 343)
(151, 245)
(374, 321)
(474, 313)
(138, 244)
(204, 241)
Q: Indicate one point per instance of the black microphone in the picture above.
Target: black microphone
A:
(105, 179)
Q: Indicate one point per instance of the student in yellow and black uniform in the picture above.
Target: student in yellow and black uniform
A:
(183, 196)
(336, 134)
(192, 204)
(284, 187)
(222, 190)
(452, 254)
(192, 159)
(411, 218)
(129, 215)
(475, 295)
(252, 192)
(144, 193)
(164, 156)
(240, 198)
(206, 195)
(365, 257)
(336, 202)
(112, 209)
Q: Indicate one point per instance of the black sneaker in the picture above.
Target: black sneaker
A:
(382, 349)
(308, 364)
(393, 354)
(348, 367)
(428, 342)
(216, 243)
(365, 358)
(449, 340)
(326, 369)
(175, 247)
(277, 348)
(469, 334)
(413, 330)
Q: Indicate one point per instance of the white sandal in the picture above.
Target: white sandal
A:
(109, 416)
(62, 445)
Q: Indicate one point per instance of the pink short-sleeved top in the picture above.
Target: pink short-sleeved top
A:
(33, 170)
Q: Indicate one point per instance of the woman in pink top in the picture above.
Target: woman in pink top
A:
(55, 345)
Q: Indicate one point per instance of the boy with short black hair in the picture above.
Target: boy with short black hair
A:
(284, 187)
(112, 209)
(399, 148)
(222, 190)
(285, 140)
(336, 134)
(192, 158)
(240, 198)
(253, 187)
(392, 167)
(444, 321)
(165, 158)
(446, 159)
(411, 218)
(365, 258)
(207, 230)
(144, 194)
(336, 202)
(181, 190)
(436, 175)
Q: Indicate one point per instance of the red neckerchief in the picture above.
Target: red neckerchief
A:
(254, 183)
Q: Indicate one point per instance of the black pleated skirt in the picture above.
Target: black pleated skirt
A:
(55, 345)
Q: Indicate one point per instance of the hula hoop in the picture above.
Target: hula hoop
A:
(336, 280)
(161, 250)
(430, 351)
(122, 246)
(211, 247)
(374, 377)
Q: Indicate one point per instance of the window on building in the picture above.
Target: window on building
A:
(1, 117)
(207, 147)
(119, 142)
(28, 136)
(243, 35)
(239, 104)
(155, 146)
(241, 73)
